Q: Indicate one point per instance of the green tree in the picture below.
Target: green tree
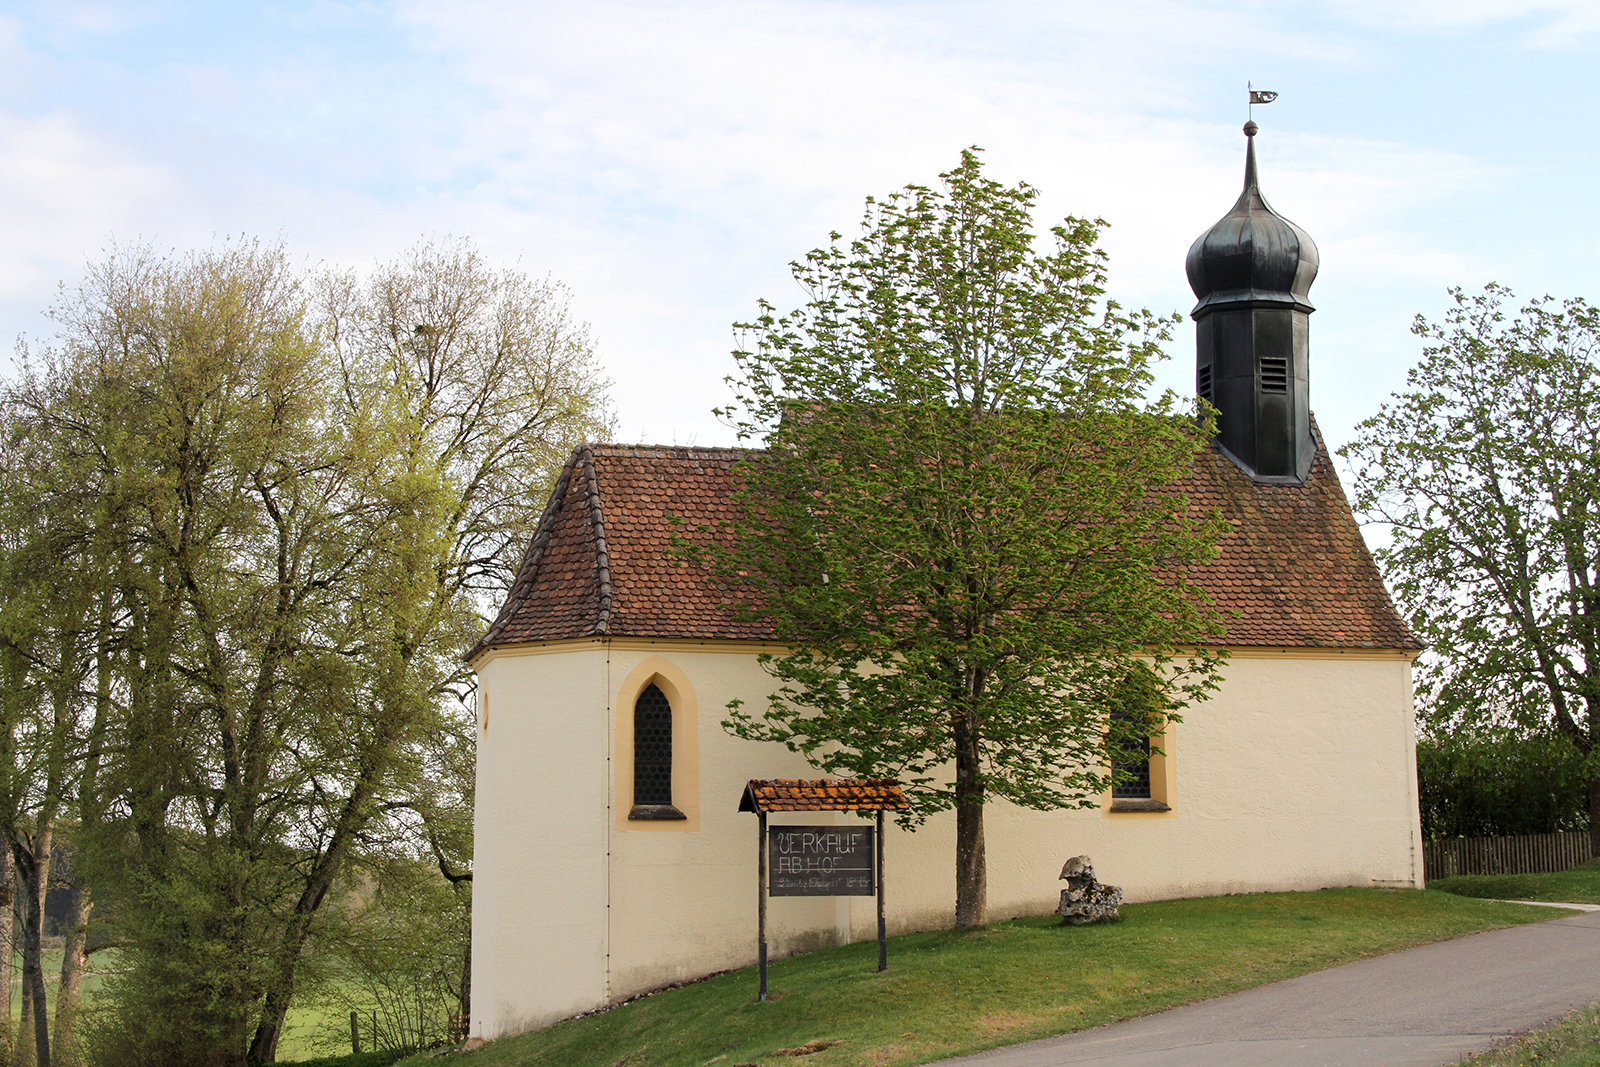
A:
(396, 954)
(38, 729)
(472, 385)
(55, 651)
(195, 387)
(1485, 471)
(1484, 781)
(320, 482)
(965, 526)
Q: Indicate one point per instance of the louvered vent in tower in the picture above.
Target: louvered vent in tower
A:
(1274, 374)
(1204, 388)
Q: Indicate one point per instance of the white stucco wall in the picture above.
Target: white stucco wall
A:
(539, 831)
(1298, 775)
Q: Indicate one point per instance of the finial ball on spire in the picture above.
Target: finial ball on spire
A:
(1250, 129)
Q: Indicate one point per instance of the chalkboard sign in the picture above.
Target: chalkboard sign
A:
(820, 861)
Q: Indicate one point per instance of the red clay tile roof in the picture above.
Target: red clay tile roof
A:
(1293, 572)
(822, 794)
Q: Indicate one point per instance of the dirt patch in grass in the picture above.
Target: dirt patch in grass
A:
(1005, 1022)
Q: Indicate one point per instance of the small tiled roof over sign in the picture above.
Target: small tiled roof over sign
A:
(1291, 571)
(823, 794)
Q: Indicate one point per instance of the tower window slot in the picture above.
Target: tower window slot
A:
(1274, 374)
(1205, 383)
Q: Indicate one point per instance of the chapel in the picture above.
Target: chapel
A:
(611, 855)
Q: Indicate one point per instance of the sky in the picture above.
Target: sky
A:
(666, 161)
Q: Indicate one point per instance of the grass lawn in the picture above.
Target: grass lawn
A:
(1572, 1041)
(314, 1031)
(948, 993)
(309, 1030)
(1579, 885)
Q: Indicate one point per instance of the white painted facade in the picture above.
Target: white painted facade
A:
(1299, 774)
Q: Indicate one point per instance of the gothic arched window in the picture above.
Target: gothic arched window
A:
(652, 757)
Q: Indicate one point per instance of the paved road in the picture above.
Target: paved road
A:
(1424, 1007)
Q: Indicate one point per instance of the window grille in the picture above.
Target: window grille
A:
(652, 748)
(1274, 374)
(1131, 762)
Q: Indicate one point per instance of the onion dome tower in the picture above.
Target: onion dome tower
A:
(1252, 272)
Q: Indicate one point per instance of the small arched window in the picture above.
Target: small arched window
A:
(652, 757)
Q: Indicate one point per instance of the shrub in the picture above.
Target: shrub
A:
(1481, 784)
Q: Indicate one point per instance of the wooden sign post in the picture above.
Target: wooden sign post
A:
(761, 903)
(796, 861)
(883, 930)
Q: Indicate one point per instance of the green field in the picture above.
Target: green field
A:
(311, 1031)
(93, 975)
(1580, 885)
(947, 993)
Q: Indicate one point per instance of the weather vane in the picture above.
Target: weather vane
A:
(1257, 96)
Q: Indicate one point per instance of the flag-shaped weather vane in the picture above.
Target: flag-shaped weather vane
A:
(1257, 96)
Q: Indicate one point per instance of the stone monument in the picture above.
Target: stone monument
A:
(1086, 900)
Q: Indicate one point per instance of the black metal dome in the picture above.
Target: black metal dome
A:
(1252, 254)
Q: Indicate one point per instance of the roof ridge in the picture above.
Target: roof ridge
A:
(597, 522)
(611, 449)
(530, 559)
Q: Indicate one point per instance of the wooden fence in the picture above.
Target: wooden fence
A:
(1504, 855)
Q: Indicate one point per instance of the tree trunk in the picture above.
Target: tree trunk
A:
(280, 985)
(972, 902)
(64, 1045)
(8, 953)
(972, 894)
(1594, 816)
(22, 1052)
(75, 955)
(33, 870)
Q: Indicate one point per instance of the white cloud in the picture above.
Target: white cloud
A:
(679, 156)
(668, 160)
(65, 189)
(1547, 24)
(1390, 258)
